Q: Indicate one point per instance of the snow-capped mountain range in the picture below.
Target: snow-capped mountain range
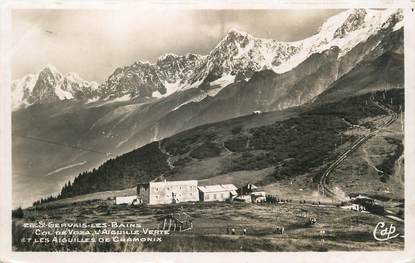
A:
(235, 58)
(49, 85)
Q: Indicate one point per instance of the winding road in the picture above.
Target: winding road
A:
(322, 186)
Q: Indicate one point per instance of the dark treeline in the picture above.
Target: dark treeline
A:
(138, 166)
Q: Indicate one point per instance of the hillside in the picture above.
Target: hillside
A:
(283, 151)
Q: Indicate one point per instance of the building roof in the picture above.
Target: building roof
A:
(185, 182)
(217, 188)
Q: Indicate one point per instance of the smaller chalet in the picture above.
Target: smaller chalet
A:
(129, 200)
(251, 193)
(259, 197)
(247, 189)
(220, 192)
(368, 204)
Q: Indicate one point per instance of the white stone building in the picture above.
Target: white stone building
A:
(168, 192)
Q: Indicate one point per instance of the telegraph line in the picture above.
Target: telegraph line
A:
(61, 144)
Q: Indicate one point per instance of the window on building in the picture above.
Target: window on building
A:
(207, 197)
(214, 196)
(221, 196)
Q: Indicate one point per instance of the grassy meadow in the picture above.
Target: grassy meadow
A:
(337, 229)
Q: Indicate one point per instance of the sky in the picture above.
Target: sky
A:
(94, 42)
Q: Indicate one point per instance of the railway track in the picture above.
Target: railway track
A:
(322, 186)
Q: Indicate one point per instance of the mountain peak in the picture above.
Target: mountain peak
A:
(351, 20)
(167, 56)
(235, 31)
(51, 68)
(173, 56)
(49, 85)
(142, 64)
(235, 34)
(355, 19)
(233, 37)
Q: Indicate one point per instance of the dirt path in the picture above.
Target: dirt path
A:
(322, 186)
(226, 149)
(169, 161)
